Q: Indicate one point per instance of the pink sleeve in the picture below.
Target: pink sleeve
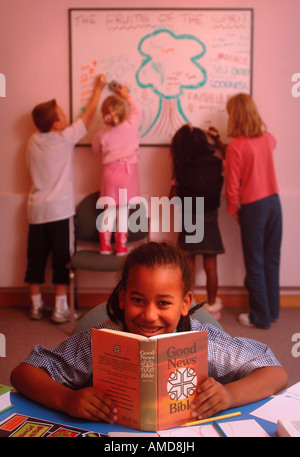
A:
(96, 143)
(135, 114)
(233, 176)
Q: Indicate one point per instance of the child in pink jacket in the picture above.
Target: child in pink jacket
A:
(118, 143)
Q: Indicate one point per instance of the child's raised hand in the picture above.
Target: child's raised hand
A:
(123, 92)
(212, 397)
(213, 133)
(100, 82)
(90, 403)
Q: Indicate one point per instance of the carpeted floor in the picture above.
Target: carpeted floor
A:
(21, 334)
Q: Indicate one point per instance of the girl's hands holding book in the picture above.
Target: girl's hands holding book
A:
(90, 403)
(260, 383)
(212, 397)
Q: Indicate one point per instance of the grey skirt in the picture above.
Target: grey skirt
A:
(212, 241)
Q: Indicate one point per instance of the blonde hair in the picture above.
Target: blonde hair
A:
(113, 110)
(244, 119)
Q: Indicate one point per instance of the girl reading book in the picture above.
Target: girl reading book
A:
(153, 297)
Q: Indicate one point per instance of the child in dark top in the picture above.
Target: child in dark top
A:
(153, 297)
(197, 171)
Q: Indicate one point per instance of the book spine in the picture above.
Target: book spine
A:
(148, 385)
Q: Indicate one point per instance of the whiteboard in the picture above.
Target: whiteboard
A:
(181, 65)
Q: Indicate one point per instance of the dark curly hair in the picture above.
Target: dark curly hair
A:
(188, 144)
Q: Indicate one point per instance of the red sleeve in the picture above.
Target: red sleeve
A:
(232, 178)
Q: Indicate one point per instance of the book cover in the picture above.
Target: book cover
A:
(152, 381)
(5, 402)
(24, 426)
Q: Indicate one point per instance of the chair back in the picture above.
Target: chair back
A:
(87, 214)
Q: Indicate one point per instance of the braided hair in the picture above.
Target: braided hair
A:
(150, 255)
(188, 144)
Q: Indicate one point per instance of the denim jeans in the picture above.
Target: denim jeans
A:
(261, 232)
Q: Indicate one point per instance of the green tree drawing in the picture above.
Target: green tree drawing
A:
(170, 65)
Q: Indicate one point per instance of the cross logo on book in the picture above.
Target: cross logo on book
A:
(182, 383)
(147, 366)
(117, 348)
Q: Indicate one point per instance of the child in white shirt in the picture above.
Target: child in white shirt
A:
(51, 203)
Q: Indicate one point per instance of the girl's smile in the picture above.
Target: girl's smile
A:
(153, 301)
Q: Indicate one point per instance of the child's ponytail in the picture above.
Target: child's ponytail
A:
(113, 110)
(184, 324)
(114, 312)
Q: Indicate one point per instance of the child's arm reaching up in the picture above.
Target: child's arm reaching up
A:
(90, 110)
(88, 403)
(214, 135)
(122, 91)
(261, 383)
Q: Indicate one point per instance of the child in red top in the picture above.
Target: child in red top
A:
(252, 198)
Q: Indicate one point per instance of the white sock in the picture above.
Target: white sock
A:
(37, 301)
(61, 303)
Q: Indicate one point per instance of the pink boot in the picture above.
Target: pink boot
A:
(105, 243)
(121, 243)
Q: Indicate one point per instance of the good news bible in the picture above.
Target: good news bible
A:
(152, 381)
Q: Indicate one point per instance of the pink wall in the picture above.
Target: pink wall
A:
(34, 60)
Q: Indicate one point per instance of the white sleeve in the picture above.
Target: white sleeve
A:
(75, 132)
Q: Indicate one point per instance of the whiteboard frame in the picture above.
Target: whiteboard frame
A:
(250, 10)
